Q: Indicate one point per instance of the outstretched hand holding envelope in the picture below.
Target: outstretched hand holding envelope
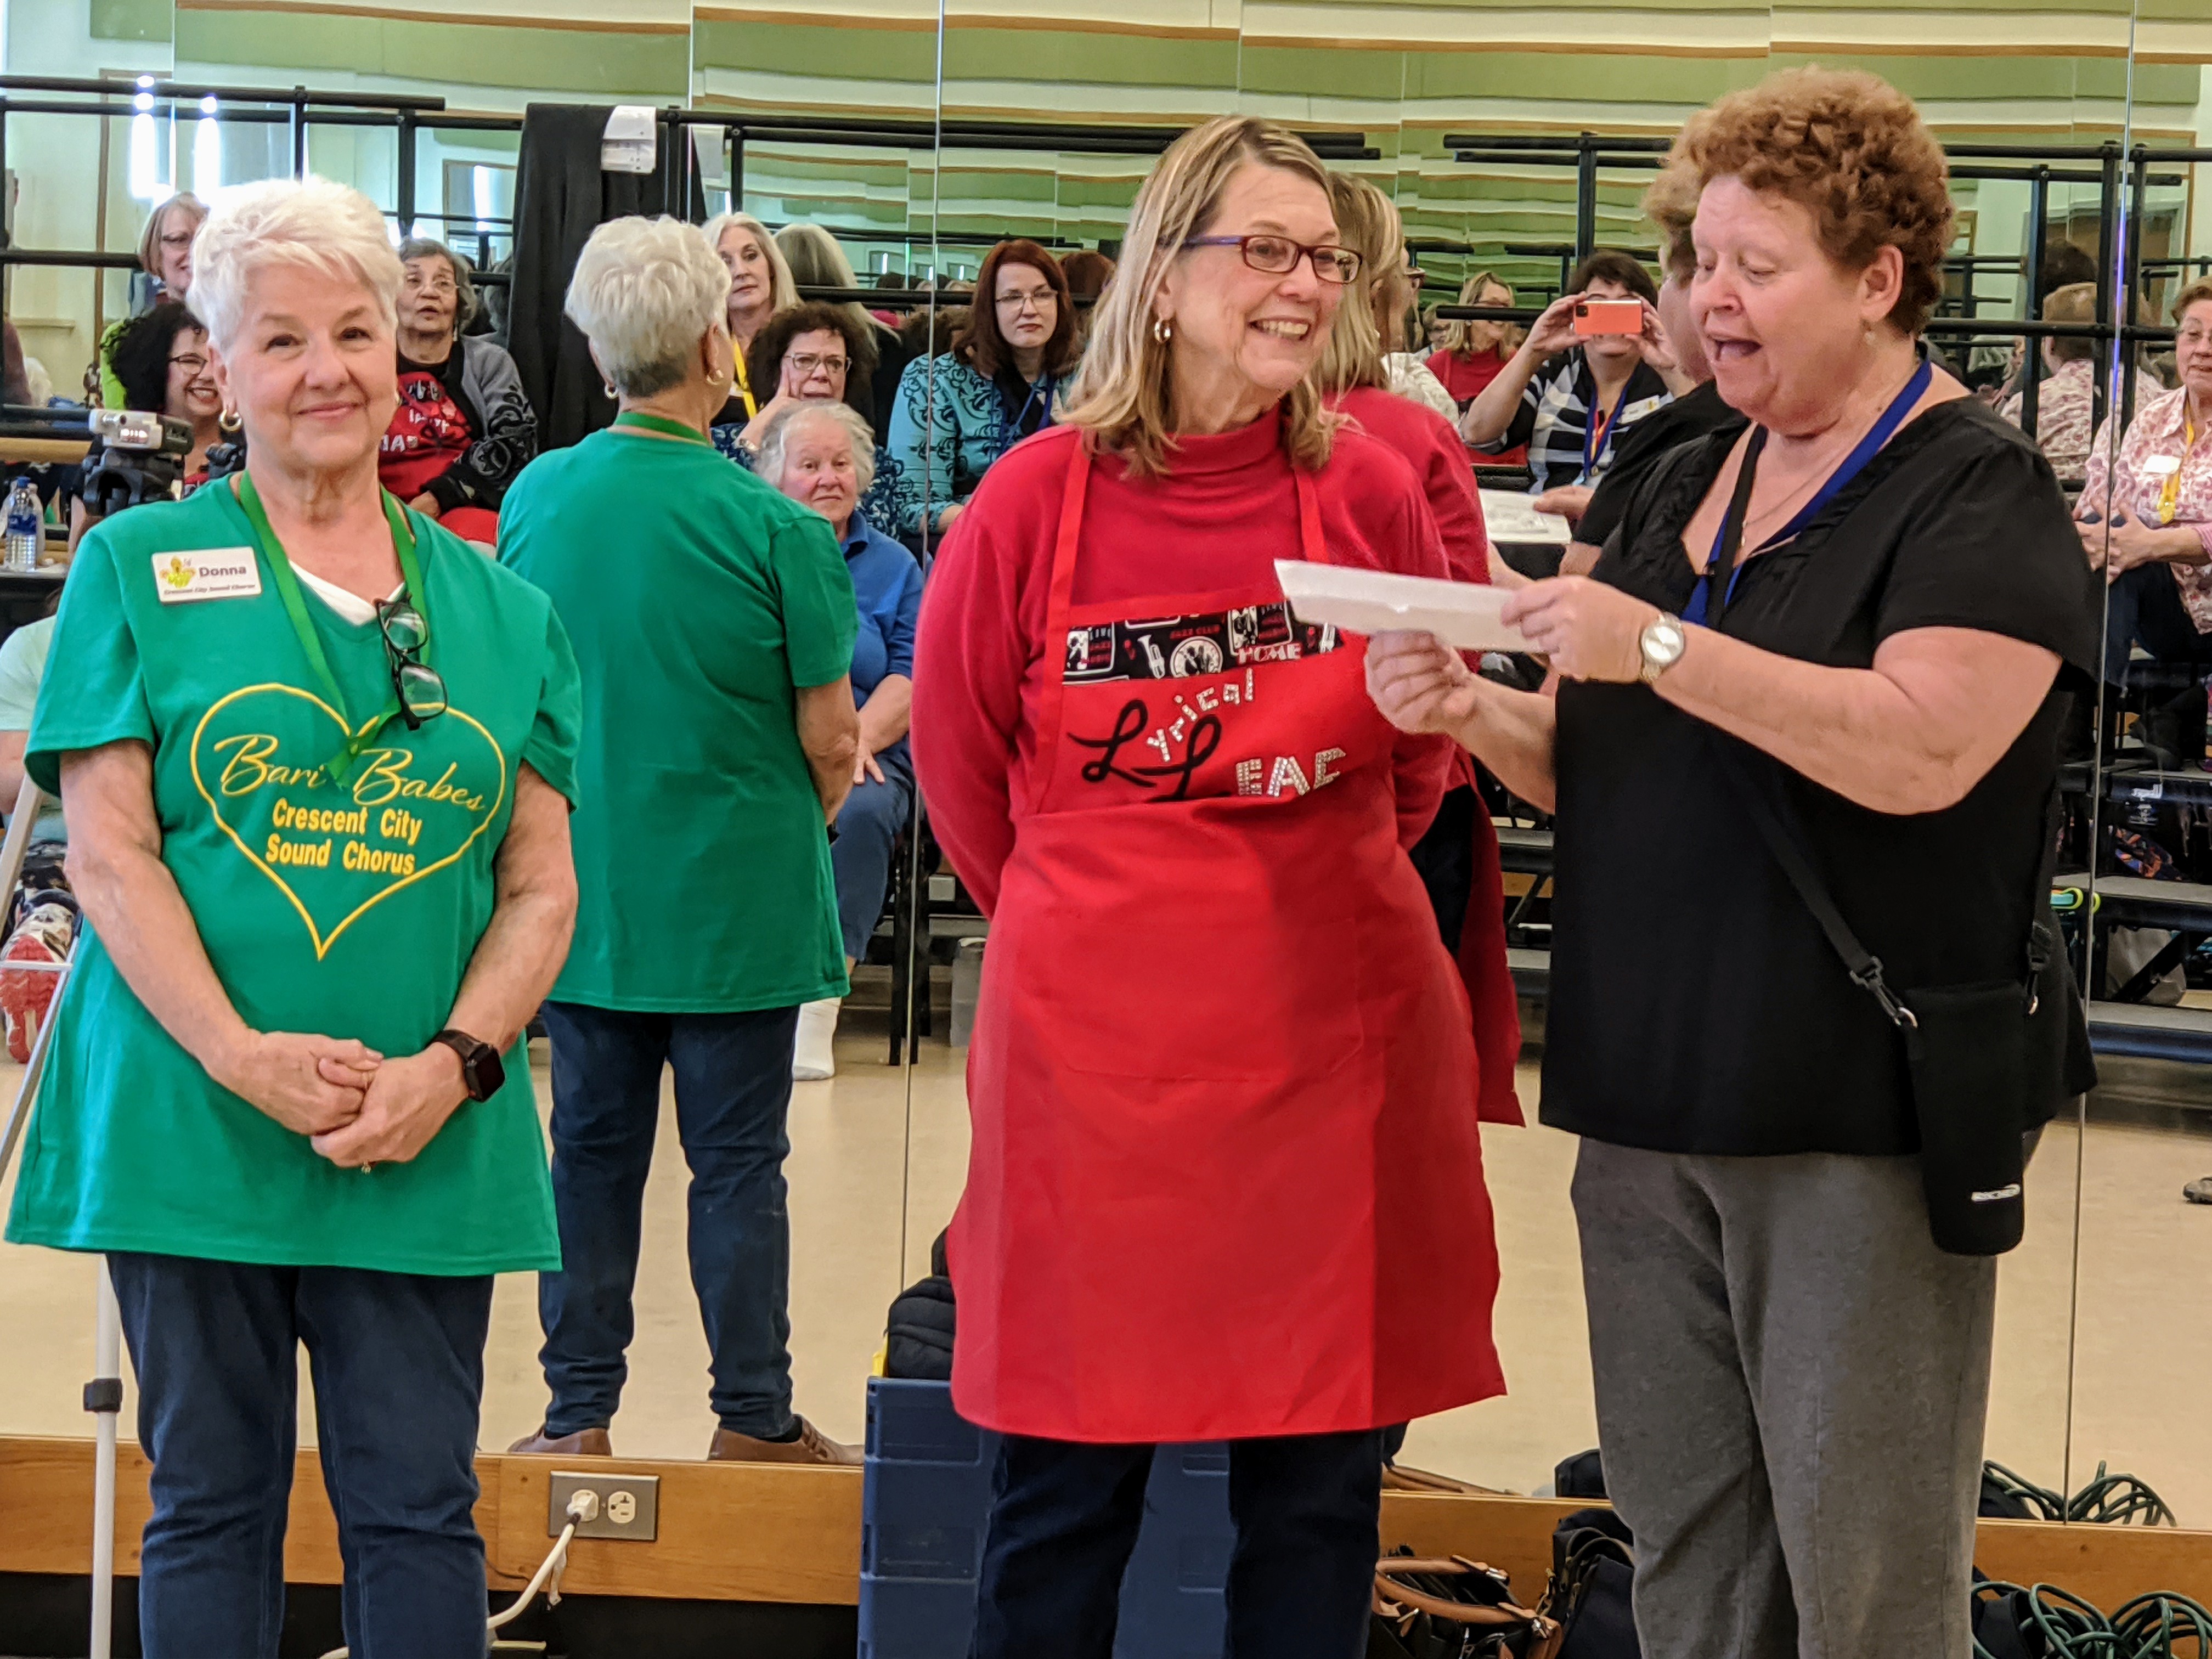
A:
(1461, 614)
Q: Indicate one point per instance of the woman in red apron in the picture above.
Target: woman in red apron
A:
(1225, 1181)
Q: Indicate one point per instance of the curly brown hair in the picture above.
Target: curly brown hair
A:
(1847, 147)
(764, 357)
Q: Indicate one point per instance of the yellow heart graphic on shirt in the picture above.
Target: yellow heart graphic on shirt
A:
(345, 847)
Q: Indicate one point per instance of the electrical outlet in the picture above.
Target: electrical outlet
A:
(629, 1507)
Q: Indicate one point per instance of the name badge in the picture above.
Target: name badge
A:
(2162, 466)
(209, 573)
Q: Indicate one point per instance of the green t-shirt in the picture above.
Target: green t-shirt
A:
(347, 909)
(697, 599)
(22, 667)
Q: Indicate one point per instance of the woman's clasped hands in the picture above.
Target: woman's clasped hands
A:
(357, 1107)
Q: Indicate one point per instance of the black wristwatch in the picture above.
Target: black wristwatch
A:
(480, 1068)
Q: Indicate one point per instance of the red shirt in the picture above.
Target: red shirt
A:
(1221, 518)
(429, 431)
(1439, 459)
(1465, 377)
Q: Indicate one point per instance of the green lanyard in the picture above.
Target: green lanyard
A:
(295, 606)
(666, 427)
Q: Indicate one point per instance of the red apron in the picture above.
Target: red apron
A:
(1225, 1178)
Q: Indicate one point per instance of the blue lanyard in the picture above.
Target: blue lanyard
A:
(1853, 465)
(1043, 387)
(1598, 439)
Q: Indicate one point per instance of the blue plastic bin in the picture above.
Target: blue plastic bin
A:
(926, 1503)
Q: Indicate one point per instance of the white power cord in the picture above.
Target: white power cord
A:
(583, 1506)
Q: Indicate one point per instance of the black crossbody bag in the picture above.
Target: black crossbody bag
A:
(1966, 1047)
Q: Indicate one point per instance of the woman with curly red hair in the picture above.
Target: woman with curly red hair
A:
(1805, 708)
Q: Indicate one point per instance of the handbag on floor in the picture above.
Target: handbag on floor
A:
(1449, 1607)
(918, 1335)
(1588, 1601)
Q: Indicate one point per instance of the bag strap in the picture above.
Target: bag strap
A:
(1502, 1613)
(1861, 964)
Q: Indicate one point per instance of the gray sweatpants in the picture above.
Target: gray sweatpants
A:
(1791, 1385)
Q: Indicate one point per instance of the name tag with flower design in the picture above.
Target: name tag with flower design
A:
(208, 572)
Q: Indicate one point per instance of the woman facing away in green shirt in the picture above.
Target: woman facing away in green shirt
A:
(317, 756)
(714, 639)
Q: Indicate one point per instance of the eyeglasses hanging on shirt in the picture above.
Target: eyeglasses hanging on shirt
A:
(1717, 586)
(418, 690)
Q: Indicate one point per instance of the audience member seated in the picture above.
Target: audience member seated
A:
(1088, 271)
(164, 253)
(760, 286)
(2146, 518)
(2064, 400)
(805, 355)
(821, 455)
(1397, 291)
(161, 361)
(1355, 380)
(1435, 330)
(1697, 414)
(893, 286)
(959, 413)
(22, 667)
(464, 430)
(1473, 352)
(1572, 400)
(871, 384)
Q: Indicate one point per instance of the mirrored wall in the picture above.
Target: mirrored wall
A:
(1513, 142)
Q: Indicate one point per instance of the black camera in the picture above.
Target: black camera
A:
(135, 458)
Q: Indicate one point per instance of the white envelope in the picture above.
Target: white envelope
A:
(1510, 517)
(1462, 614)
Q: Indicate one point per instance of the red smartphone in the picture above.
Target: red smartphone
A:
(1609, 317)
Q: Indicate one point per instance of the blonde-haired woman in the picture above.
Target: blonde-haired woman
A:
(1474, 352)
(164, 253)
(1221, 1065)
(305, 963)
(760, 286)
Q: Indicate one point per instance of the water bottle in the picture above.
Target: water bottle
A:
(25, 533)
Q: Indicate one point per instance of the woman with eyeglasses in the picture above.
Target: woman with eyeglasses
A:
(161, 361)
(317, 756)
(165, 254)
(809, 354)
(957, 413)
(464, 430)
(1223, 1068)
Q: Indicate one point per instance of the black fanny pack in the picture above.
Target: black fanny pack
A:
(1969, 1049)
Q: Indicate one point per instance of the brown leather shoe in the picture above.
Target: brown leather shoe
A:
(812, 1446)
(584, 1442)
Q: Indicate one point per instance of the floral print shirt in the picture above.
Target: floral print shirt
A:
(2137, 482)
(2063, 411)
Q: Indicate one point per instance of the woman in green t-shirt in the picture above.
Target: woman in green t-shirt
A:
(317, 756)
(715, 637)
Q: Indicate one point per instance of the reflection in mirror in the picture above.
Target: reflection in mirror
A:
(834, 125)
(2148, 512)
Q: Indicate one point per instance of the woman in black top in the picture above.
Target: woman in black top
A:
(1791, 1377)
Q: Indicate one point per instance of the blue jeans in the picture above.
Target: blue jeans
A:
(397, 1361)
(860, 857)
(1065, 1517)
(732, 1090)
(2145, 605)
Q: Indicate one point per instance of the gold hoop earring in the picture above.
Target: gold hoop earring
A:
(1163, 330)
(608, 387)
(228, 421)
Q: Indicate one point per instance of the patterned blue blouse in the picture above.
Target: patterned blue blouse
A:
(948, 425)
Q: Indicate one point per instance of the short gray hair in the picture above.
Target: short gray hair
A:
(465, 303)
(310, 224)
(776, 438)
(646, 292)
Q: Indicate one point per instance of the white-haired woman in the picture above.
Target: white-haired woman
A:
(759, 285)
(717, 655)
(1222, 1066)
(464, 429)
(314, 753)
(821, 455)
